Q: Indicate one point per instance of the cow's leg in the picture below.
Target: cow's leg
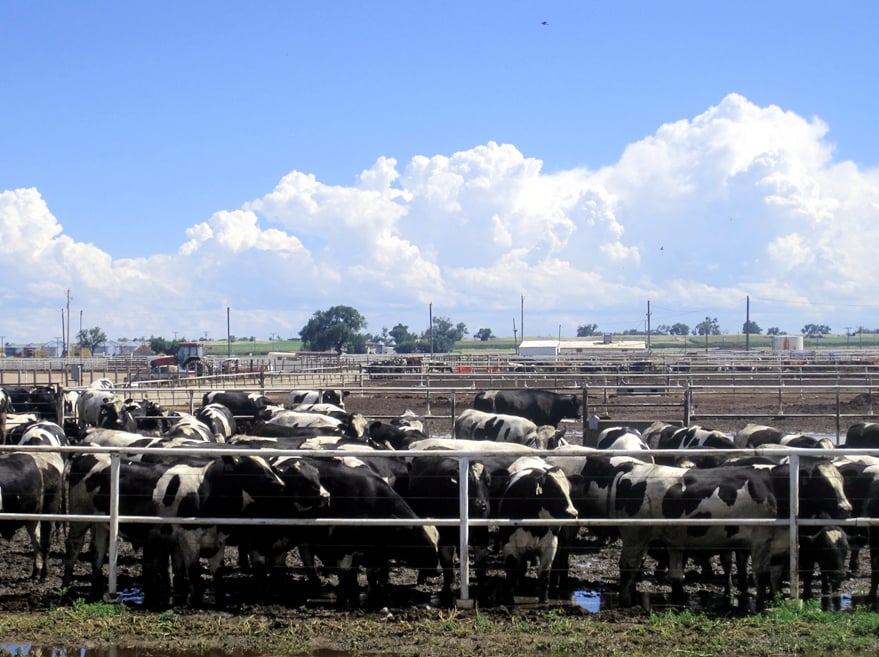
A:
(306, 555)
(100, 546)
(726, 560)
(156, 574)
(447, 564)
(560, 575)
(516, 568)
(676, 575)
(742, 576)
(73, 547)
(216, 563)
(631, 561)
(33, 532)
(348, 589)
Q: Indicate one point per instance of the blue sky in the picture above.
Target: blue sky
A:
(166, 161)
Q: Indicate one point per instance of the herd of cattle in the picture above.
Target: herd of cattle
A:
(520, 467)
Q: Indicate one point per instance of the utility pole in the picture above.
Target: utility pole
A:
(648, 325)
(67, 341)
(228, 335)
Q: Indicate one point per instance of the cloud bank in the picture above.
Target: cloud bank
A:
(738, 202)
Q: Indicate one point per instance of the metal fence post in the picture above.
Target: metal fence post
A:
(113, 556)
(464, 541)
(793, 529)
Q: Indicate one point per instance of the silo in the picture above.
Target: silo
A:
(787, 343)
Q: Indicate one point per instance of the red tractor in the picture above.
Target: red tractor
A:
(189, 358)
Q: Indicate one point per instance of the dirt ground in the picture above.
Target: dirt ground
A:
(592, 590)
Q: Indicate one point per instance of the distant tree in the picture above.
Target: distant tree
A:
(815, 330)
(773, 330)
(91, 338)
(586, 330)
(159, 345)
(751, 328)
(708, 326)
(483, 334)
(678, 328)
(404, 341)
(444, 334)
(335, 329)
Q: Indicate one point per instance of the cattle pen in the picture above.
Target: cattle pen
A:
(817, 395)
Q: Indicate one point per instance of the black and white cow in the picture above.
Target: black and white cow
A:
(219, 419)
(694, 438)
(31, 482)
(623, 439)
(473, 424)
(354, 426)
(189, 426)
(532, 489)
(103, 408)
(334, 397)
(539, 406)
(755, 435)
(245, 406)
(324, 409)
(390, 436)
(226, 487)
(621, 487)
(5, 409)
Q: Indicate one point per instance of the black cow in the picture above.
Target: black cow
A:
(434, 492)
(230, 486)
(358, 492)
(862, 435)
(39, 400)
(539, 406)
(148, 414)
(827, 549)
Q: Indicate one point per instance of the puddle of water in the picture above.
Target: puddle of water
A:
(588, 600)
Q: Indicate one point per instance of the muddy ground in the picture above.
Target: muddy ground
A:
(592, 590)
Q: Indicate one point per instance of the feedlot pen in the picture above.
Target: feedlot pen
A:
(812, 396)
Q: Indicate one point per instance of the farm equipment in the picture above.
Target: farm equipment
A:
(189, 358)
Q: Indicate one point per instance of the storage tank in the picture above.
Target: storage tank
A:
(787, 343)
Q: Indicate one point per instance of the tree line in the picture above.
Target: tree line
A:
(341, 329)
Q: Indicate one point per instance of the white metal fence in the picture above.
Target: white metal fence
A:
(114, 518)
